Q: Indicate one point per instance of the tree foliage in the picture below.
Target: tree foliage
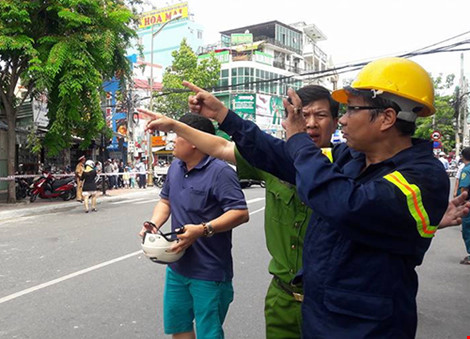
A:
(444, 120)
(65, 48)
(204, 73)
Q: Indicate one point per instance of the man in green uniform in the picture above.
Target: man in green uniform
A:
(464, 186)
(286, 217)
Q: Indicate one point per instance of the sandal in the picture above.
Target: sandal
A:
(465, 261)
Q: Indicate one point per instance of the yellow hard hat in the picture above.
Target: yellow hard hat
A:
(397, 76)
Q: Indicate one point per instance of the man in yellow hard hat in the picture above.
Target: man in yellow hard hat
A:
(375, 210)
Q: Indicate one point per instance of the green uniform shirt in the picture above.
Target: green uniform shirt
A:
(464, 180)
(286, 219)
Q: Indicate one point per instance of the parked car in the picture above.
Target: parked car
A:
(245, 183)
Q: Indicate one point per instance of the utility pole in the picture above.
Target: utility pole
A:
(149, 140)
(130, 124)
(463, 103)
(461, 111)
(457, 120)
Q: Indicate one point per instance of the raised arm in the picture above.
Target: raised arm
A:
(207, 143)
(457, 209)
(260, 149)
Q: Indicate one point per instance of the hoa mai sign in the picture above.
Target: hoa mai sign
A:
(162, 15)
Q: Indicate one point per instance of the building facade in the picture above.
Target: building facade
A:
(260, 62)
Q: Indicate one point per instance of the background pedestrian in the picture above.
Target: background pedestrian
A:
(89, 185)
(78, 173)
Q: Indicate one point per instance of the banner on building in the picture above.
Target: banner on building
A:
(119, 123)
(40, 110)
(269, 111)
(241, 38)
(162, 15)
(223, 57)
(245, 105)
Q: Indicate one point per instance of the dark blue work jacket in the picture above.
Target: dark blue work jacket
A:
(369, 230)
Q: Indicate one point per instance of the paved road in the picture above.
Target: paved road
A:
(75, 275)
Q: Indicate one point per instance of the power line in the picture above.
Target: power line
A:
(314, 75)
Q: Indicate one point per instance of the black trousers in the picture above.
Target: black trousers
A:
(142, 180)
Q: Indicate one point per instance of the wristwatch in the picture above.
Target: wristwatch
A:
(208, 229)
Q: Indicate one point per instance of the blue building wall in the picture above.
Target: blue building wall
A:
(168, 40)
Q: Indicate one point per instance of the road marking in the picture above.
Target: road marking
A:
(126, 201)
(92, 268)
(146, 201)
(66, 277)
(258, 210)
(254, 200)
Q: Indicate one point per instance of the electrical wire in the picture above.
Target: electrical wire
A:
(314, 75)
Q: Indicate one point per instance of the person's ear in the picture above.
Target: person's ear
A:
(388, 118)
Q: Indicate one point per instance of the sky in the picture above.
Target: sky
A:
(357, 30)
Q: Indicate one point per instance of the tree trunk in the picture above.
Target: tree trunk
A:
(11, 151)
(66, 157)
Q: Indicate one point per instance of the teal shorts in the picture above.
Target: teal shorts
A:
(186, 300)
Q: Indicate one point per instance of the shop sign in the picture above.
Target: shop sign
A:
(245, 105)
(241, 38)
(162, 15)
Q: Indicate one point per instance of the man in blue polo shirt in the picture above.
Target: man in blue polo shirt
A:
(202, 194)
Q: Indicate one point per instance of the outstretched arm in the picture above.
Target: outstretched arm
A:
(457, 209)
(207, 143)
(205, 104)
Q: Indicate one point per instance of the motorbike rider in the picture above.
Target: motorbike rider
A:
(89, 185)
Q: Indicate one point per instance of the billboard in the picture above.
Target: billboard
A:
(119, 123)
(162, 15)
(40, 110)
(223, 57)
(244, 105)
(241, 38)
(269, 111)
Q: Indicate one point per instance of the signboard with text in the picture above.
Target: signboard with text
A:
(269, 110)
(119, 126)
(162, 15)
(245, 105)
(40, 111)
(241, 38)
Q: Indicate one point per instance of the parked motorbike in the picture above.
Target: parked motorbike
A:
(159, 180)
(47, 187)
(99, 182)
(22, 188)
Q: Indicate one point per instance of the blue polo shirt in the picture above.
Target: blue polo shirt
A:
(200, 195)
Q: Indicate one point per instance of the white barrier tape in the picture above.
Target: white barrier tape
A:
(18, 176)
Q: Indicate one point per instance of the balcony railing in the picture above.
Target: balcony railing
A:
(277, 43)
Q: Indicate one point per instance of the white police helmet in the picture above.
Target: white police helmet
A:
(89, 163)
(156, 246)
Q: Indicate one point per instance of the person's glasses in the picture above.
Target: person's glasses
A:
(351, 109)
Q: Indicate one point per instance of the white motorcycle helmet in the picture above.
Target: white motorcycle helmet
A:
(156, 246)
(90, 163)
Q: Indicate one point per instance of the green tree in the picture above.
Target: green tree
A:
(204, 73)
(64, 48)
(444, 120)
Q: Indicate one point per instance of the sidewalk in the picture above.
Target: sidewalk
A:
(25, 208)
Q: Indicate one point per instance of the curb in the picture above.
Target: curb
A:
(29, 210)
